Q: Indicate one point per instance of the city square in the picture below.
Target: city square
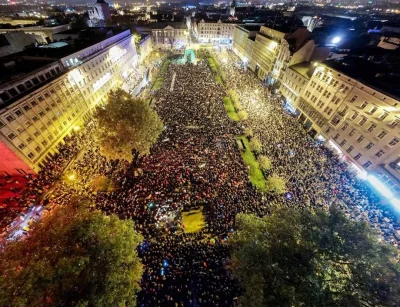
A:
(197, 162)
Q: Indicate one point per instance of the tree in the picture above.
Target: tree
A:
(264, 162)
(72, 257)
(255, 145)
(275, 185)
(243, 115)
(303, 258)
(248, 132)
(125, 124)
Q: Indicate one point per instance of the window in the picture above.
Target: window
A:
(43, 128)
(364, 104)
(44, 143)
(38, 149)
(21, 146)
(371, 128)
(1, 124)
(352, 132)
(383, 115)
(36, 133)
(27, 123)
(367, 164)
(350, 149)
(335, 120)
(20, 129)
(394, 142)
(369, 145)
(360, 139)
(357, 156)
(379, 153)
(343, 142)
(354, 98)
(11, 136)
(362, 121)
(354, 116)
(35, 118)
(40, 98)
(26, 107)
(395, 123)
(33, 103)
(336, 136)
(9, 118)
(51, 138)
(41, 113)
(29, 140)
(344, 127)
(31, 155)
(382, 135)
(18, 112)
(373, 109)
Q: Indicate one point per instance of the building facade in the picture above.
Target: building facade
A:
(40, 108)
(215, 32)
(360, 122)
(99, 14)
(171, 35)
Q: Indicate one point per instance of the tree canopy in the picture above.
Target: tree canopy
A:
(125, 124)
(304, 258)
(72, 257)
(275, 185)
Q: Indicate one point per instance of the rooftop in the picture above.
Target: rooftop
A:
(162, 25)
(306, 69)
(378, 76)
(59, 50)
(12, 67)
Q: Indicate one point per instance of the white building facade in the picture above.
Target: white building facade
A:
(215, 32)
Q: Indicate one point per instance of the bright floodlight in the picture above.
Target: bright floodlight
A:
(379, 186)
(336, 40)
(396, 203)
(245, 59)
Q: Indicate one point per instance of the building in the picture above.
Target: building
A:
(46, 93)
(14, 42)
(145, 46)
(41, 33)
(169, 35)
(215, 32)
(99, 14)
(243, 41)
(354, 105)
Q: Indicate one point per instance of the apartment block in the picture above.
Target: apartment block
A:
(46, 93)
(354, 105)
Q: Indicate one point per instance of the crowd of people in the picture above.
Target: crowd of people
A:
(196, 164)
(314, 174)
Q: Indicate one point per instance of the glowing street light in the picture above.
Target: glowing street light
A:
(336, 40)
(71, 177)
(77, 128)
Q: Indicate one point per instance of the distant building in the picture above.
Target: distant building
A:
(169, 35)
(42, 34)
(14, 42)
(99, 14)
(215, 32)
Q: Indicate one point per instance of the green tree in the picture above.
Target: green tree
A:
(248, 132)
(255, 145)
(264, 162)
(243, 115)
(275, 185)
(126, 124)
(303, 258)
(72, 257)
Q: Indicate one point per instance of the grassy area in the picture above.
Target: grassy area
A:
(165, 66)
(157, 85)
(193, 220)
(230, 109)
(218, 79)
(212, 64)
(255, 174)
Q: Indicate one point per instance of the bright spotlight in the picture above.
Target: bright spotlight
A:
(76, 128)
(336, 40)
(396, 203)
(379, 186)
